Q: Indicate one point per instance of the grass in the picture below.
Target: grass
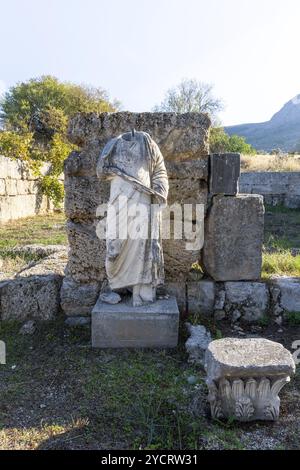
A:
(282, 234)
(281, 263)
(41, 229)
(270, 163)
(293, 318)
(57, 392)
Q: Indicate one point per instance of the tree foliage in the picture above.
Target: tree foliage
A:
(221, 142)
(191, 96)
(34, 117)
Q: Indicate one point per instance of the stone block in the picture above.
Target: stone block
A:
(250, 298)
(197, 343)
(83, 195)
(35, 296)
(179, 136)
(174, 289)
(78, 321)
(11, 187)
(16, 207)
(190, 169)
(78, 299)
(34, 292)
(290, 293)
(201, 297)
(187, 191)
(2, 187)
(86, 262)
(233, 240)
(245, 376)
(154, 325)
(224, 173)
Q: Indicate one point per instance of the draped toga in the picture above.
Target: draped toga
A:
(134, 164)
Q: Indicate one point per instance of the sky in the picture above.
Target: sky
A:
(137, 49)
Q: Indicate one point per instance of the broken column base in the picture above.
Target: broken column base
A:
(153, 325)
(245, 376)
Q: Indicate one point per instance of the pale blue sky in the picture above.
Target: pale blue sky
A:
(137, 49)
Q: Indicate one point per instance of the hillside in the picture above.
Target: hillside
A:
(281, 132)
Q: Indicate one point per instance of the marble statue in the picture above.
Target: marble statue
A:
(134, 165)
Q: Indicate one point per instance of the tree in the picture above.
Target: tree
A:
(220, 142)
(191, 96)
(34, 116)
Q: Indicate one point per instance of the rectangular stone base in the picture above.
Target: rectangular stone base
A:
(154, 325)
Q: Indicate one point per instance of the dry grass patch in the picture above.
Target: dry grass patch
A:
(270, 163)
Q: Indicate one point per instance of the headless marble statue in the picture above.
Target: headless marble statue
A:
(138, 192)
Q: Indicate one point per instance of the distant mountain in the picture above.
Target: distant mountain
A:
(281, 132)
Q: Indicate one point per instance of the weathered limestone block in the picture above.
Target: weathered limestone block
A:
(224, 173)
(83, 195)
(83, 163)
(178, 260)
(174, 289)
(30, 297)
(39, 251)
(245, 376)
(34, 292)
(289, 293)
(251, 299)
(188, 170)
(154, 325)
(2, 187)
(78, 299)
(27, 187)
(87, 253)
(179, 136)
(15, 207)
(187, 191)
(197, 343)
(233, 241)
(276, 187)
(201, 297)
(10, 168)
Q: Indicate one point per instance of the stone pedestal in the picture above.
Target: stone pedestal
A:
(224, 173)
(245, 376)
(154, 325)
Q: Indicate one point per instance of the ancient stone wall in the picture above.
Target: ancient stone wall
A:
(183, 140)
(20, 195)
(194, 177)
(277, 188)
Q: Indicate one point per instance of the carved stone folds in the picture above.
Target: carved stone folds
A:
(245, 376)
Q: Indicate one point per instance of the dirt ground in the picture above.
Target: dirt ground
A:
(59, 393)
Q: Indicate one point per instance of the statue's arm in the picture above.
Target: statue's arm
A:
(159, 175)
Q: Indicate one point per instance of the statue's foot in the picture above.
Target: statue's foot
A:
(147, 292)
(108, 296)
(137, 301)
(142, 294)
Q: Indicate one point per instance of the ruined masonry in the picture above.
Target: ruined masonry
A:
(233, 224)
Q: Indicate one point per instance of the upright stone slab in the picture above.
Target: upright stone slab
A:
(234, 232)
(245, 376)
(224, 173)
(154, 325)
